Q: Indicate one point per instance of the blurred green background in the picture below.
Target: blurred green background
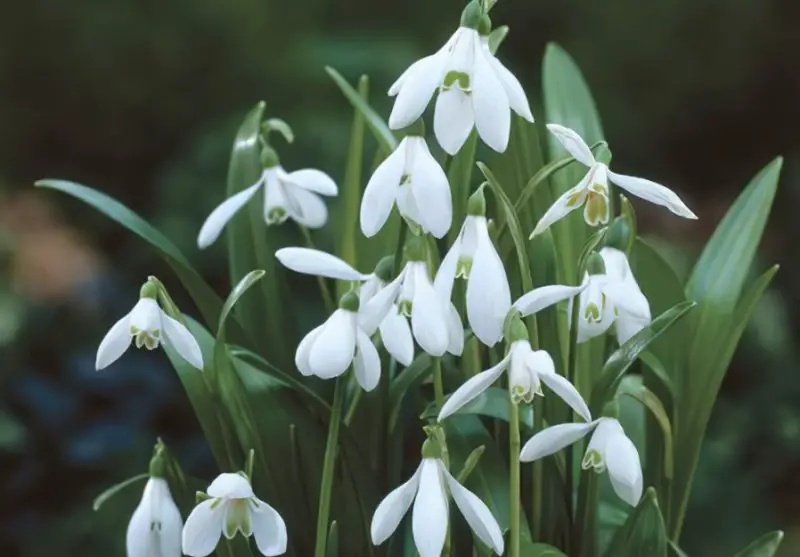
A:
(142, 99)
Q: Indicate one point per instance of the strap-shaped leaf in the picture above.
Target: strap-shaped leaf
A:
(110, 492)
(765, 545)
(643, 533)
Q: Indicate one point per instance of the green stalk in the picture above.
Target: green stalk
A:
(323, 286)
(573, 358)
(328, 466)
(438, 385)
(537, 482)
(513, 478)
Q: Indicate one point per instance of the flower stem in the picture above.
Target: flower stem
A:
(323, 286)
(328, 465)
(438, 385)
(537, 483)
(573, 359)
(513, 478)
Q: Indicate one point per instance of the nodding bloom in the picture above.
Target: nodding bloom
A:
(232, 507)
(609, 449)
(591, 193)
(155, 527)
(475, 89)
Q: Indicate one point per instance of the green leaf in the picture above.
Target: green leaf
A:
(496, 38)
(491, 403)
(114, 489)
(236, 294)
(643, 533)
(203, 295)
(542, 550)
(410, 377)
(380, 130)
(459, 176)
(654, 405)
(765, 546)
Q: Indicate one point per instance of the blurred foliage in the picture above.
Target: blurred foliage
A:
(141, 99)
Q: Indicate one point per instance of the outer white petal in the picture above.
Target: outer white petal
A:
(476, 513)
(453, 119)
(319, 263)
(624, 468)
(455, 330)
(616, 263)
(313, 180)
(396, 336)
(429, 320)
(393, 508)
(304, 349)
(514, 91)
(416, 91)
(334, 348)
(114, 344)
(373, 312)
(563, 388)
(171, 525)
(182, 341)
(628, 325)
(231, 486)
(540, 298)
(652, 192)
(430, 514)
(629, 299)
(488, 293)
(224, 212)
(395, 87)
(471, 388)
(203, 528)
(381, 191)
(306, 207)
(146, 315)
(367, 363)
(269, 529)
(568, 201)
(553, 439)
(431, 190)
(573, 143)
(490, 103)
(446, 275)
(156, 507)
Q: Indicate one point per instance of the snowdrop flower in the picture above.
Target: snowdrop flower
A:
(527, 369)
(412, 178)
(428, 489)
(592, 191)
(232, 507)
(148, 326)
(330, 349)
(475, 89)
(609, 448)
(155, 527)
(292, 194)
(474, 258)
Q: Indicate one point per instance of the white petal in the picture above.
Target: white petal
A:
(446, 275)
(573, 143)
(476, 513)
(269, 529)
(396, 336)
(429, 322)
(304, 349)
(471, 388)
(381, 192)
(203, 528)
(490, 103)
(393, 508)
(455, 331)
(588, 329)
(540, 298)
(628, 325)
(182, 341)
(307, 208)
(430, 189)
(628, 298)
(367, 363)
(488, 293)
(652, 192)
(514, 91)
(313, 180)
(430, 514)
(553, 439)
(624, 468)
(372, 313)
(156, 507)
(416, 91)
(395, 87)
(569, 201)
(334, 349)
(224, 212)
(319, 263)
(146, 315)
(453, 119)
(566, 392)
(616, 264)
(114, 344)
(231, 486)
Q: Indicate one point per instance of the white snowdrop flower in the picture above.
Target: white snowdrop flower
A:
(474, 258)
(411, 178)
(155, 527)
(293, 195)
(148, 326)
(429, 489)
(609, 449)
(592, 191)
(232, 507)
(475, 89)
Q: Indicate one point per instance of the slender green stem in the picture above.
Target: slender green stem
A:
(538, 476)
(328, 466)
(438, 384)
(513, 478)
(401, 240)
(573, 358)
(323, 286)
(351, 411)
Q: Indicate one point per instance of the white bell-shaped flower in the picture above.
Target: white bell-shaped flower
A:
(475, 89)
(156, 524)
(232, 507)
(474, 258)
(411, 178)
(429, 490)
(592, 191)
(148, 326)
(294, 195)
(609, 449)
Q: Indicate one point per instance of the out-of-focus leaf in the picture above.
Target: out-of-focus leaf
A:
(108, 493)
(765, 546)
(413, 375)
(542, 550)
(643, 533)
(492, 403)
(459, 175)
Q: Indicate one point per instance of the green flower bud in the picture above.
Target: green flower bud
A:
(485, 26)
(158, 464)
(620, 234)
(149, 290)
(472, 14)
(476, 206)
(417, 249)
(595, 265)
(431, 449)
(516, 329)
(269, 158)
(416, 129)
(384, 270)
(349, 302)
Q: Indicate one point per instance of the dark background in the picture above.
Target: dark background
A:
(142, 99)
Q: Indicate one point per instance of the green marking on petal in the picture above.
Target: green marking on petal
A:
(463, 267)
(457, 79)
(404, 306)
(277, 215)
(591, 313)
(237, 518)
(593, 459)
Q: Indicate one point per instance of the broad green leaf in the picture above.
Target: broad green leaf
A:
(459, 175)
(765, 546)
(491, 403)
(656, 408)
(380, 130)
(108, 493)
(238, 291)
(643, 533)
(203, 295)
(332, 547)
